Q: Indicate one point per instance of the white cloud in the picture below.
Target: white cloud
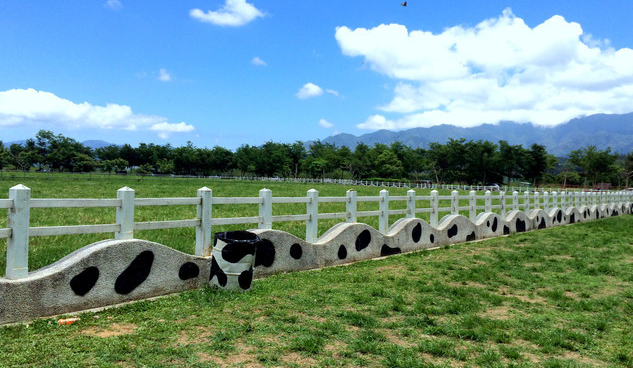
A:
(164, 129)
(163, 75)
(113, 5)
(500, 69)
(325, 124)
(332, 92)
(234, 13)
(258, 62)
(309, 90)
(377, 122)
(28, 107)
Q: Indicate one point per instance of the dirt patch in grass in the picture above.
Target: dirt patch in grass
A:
(583, 359)
(499, 313)
(242, 357)
(299, 359)
(114, 329)
(391, 270)
(394, 338)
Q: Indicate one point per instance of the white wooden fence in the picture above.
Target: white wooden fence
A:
(20, 202)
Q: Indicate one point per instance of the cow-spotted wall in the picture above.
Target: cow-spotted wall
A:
(116, 271)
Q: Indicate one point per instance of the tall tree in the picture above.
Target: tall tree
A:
(597, 164)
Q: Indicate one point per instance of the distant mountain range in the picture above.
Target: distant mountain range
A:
(601, 130)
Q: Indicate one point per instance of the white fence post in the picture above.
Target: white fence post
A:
(411, 203)
(312, 224)
(472, 204)
(515, 201)
(18, 243)
(454, 202)
(526, 202)
(204, 213)
(266, 209)
(563, 201)
(546, 201)
(488, 201)
(125, 214)
(383, 218)
(504, 205)
(351, 206)
(537, 201)
(435, 205)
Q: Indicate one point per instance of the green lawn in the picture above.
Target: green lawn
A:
(46, 250)
(560, 297)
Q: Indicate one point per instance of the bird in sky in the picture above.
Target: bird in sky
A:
(404, 3)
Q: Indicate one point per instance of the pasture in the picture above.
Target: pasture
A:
(559, 297)
(46, 250)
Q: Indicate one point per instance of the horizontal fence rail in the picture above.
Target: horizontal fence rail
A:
(20, 203)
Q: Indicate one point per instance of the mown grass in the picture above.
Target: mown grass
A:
(46, 250)
(560, 297)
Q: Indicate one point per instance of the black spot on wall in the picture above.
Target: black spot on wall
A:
(363, 240)
(452, 231)
(542, 224)
(494, 225)
(432, 238)
(188, 271)
(265, 253)
(472, 236)
(84, 281)
(520, 226)
(506, 230)
(342, 252)
(217, 271)
(296, 251)
(239, 244)
(416, 234)
(572, 218)
(387, 250)
(245, 279)
(488, 224)
(615, 213)
(135, 274)
(559, 216)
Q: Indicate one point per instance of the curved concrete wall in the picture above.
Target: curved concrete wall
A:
(116, 271)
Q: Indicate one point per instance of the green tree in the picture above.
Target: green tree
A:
(596, 164)
(628, 168)
(536, 162)
(245, 157)
(388, 165)
(510, 160)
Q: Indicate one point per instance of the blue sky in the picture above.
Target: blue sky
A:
(232, 72)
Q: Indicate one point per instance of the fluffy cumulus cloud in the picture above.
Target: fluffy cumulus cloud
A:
(163, 75)
(113, 5)
(164, 129)
(24, 107)
(309, 90)
(325, 124)
(258, 62)
(234, 13)
(500, 69)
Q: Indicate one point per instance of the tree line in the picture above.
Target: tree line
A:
(456, 161)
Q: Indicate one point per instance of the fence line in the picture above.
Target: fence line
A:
(20, 203)
(372, 183)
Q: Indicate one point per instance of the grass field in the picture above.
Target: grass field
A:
(46, 250)
(560, 297)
